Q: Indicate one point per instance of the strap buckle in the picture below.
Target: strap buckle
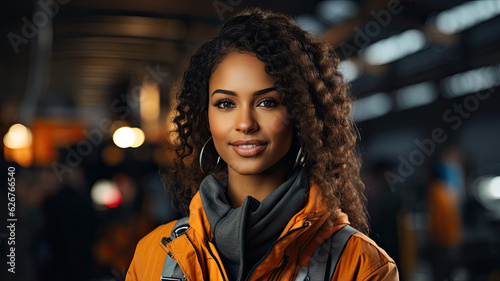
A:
(163, 278)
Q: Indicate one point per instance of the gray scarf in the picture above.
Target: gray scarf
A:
(243, 235)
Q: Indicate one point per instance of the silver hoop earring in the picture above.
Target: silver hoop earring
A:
(201, 157)
(300, 159)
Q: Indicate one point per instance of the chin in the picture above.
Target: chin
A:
(249, 169)
(257, 167)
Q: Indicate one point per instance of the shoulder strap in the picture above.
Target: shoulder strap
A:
(179, 228)
(326, 257)
(171, 269)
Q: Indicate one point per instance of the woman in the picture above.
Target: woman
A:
(273, 102)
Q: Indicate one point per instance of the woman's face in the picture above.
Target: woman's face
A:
(250, 127)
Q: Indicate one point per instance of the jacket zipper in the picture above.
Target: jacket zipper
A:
(216, 260)
(305, 224)
(277, 271)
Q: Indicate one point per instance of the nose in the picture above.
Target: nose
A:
(245, 121)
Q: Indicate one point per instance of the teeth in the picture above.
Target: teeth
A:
(247, 146)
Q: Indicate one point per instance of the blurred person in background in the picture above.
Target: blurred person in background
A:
(445, 203)
(284, 175)
(70, 227)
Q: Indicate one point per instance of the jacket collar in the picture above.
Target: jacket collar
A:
(304, 228)
(313, 210)
(243, 235)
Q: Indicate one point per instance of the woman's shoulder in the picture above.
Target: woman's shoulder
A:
(365, 260)
(155, 236)
(149, 256)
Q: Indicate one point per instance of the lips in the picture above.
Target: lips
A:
(248, 148)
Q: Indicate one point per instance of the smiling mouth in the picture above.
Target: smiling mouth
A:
(245, 146)
(249, 150)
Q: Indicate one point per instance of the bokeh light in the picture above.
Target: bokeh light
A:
(17, 137)
(112, 198)
(124, 137)
(105, 193)
(138, 137)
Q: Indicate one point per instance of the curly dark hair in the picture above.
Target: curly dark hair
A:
(306, 73)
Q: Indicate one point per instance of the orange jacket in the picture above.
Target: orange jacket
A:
(362, 259)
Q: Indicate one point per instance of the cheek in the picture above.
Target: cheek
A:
(213, 121)
(282, 129)
(281, 125)
(218, 128)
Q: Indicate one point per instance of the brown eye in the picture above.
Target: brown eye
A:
(268, 103)
(224, 104)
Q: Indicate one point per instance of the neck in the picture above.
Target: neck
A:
(258, 186)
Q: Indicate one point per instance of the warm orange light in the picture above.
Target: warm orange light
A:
(18, 136)
(112, 155)
(128, 137)
(138, 137)
(22, 156)
(150, 102)
(18, 145)
(124, 137)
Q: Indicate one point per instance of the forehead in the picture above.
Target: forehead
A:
(240, 71)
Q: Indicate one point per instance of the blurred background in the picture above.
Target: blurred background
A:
(85, 104)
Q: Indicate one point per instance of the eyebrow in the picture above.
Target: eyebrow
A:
(259, 92)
